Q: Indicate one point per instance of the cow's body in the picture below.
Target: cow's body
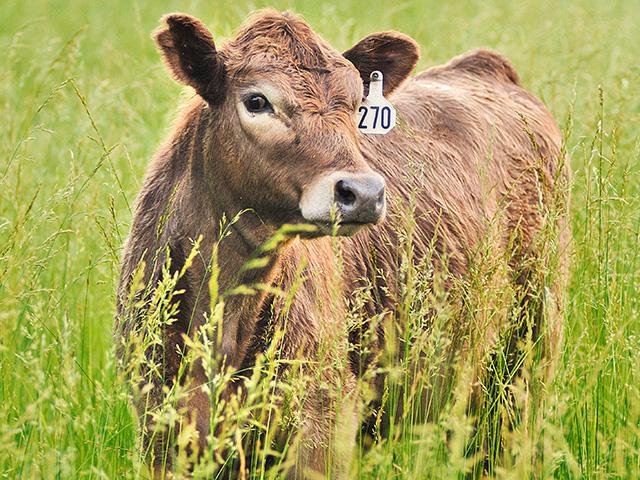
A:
(474, 155)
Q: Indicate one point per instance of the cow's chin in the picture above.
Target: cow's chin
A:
(337, 229)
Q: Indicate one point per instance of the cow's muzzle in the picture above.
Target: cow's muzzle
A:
(346, 198)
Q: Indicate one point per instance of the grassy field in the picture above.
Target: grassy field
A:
(85, 101)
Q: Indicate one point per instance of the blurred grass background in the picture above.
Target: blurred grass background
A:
(84, 102)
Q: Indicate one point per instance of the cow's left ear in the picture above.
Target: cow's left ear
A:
(189, 52)
(393, 53)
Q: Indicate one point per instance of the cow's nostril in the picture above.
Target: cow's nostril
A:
(344, 195)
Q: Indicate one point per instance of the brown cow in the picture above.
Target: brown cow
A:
(272, 134)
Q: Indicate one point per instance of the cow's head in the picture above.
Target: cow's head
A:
(283, 105)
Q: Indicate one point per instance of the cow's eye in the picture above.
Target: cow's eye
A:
(257, 103)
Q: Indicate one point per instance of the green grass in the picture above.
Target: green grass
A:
(84, 102)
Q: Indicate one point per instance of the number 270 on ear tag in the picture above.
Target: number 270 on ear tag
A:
(376, 116)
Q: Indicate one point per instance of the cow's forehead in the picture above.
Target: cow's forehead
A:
(283, 47)
(283, 35)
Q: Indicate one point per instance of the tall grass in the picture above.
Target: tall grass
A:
(85, 101)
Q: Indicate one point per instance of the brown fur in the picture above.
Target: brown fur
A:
(461, 148)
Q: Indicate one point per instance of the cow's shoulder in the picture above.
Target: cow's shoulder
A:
(480, 62)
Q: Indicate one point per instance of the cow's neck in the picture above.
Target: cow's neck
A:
(200, 209)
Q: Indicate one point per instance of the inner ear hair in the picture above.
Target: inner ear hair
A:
(189, 52)
(393, 53)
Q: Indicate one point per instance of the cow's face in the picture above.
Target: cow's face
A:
(285, 104)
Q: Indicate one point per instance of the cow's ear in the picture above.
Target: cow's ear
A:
(393, 53)
(190, 55)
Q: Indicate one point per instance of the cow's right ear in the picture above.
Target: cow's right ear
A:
(190, 55)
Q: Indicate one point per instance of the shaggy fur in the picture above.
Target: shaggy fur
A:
(472, 146)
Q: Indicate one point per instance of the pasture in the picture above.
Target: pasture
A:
(85, 102)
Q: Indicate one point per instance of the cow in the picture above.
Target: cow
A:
(270, 140)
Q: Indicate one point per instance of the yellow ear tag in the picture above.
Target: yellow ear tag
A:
(376, 116)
